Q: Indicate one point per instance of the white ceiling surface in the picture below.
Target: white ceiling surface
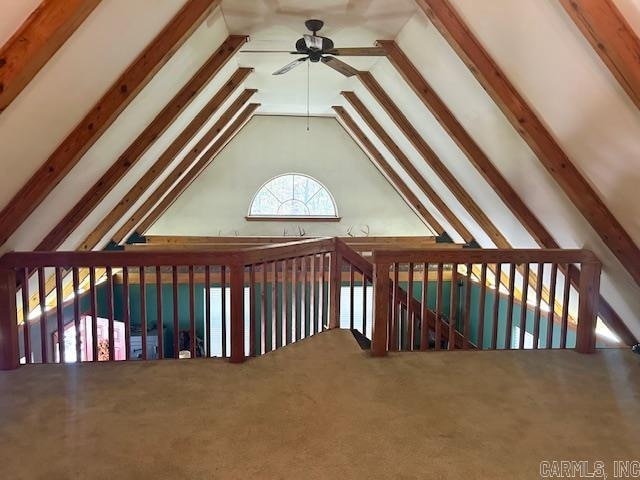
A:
(14, 13)
(278, 24)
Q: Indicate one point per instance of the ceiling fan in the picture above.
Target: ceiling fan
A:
(316, 48)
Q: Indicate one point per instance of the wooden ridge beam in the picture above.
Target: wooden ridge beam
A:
(194, 172)
(490, 173)
(406, 164)
(612, 38)
(141, 144)
(394, 179)
(102, 115)
(432, 159)
(167, 157)
(533, 131)
(36, 41)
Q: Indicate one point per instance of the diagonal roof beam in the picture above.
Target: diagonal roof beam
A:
(612, 38)
(392, 176)
(430, 157)
(194, 172)
(102, 115)
(533, 131)
(36, 41)
(163, 162)
(406, 164)
(141, 144)
(491, 174)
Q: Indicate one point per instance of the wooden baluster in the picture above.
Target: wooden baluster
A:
(552, 302)
(351, 302)
(208, 343)
(26, 335)
(192, 313)
(274, 306)
(159, 322)
(303, 298)
(410, 330)
(321, 290)
(176, 319)
(223, 307)
(524, 308)
(565, 309)
(43, 315)
(252, 311)
(453, 317)
(335, 275)
(110, 315)
(294, 300)
(481, 306)
(9, 341)
(511, 299)
(312, 294)
(396, 319)
(263, 310)
(496, 306)
(286, 316)
(380, 309)
(439, 287)
(467, 308)
(94, 314)
(60, 314)
(126, 310)
(536, 321)
(588, 307)
(143, 311)
(237, 313)
(424, 312)
(364, 304)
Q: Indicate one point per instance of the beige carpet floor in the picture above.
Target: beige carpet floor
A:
(321, 408)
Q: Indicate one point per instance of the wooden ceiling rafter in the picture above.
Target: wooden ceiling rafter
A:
(182, 168)
(142, 143)
(37, 40)
(612, 38)
(103, 114)
(165, 159)
(533, 131)
(389, 173)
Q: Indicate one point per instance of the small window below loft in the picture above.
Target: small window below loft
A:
(293, 196)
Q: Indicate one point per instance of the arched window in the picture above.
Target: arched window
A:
(293, 195)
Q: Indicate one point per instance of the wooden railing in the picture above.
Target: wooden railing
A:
(152, 299)
(395, 329)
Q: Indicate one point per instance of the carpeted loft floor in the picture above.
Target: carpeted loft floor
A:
(321, 409)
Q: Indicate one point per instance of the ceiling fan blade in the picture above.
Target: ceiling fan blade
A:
(357, 52)
(272, 51)
(339, 66)
(291, 66)
(313, 42)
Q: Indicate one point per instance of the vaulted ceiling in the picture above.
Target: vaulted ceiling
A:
(503, 121)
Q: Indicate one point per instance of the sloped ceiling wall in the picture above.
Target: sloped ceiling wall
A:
(533, 41)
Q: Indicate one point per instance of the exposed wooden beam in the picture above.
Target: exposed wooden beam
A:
(432, 159)
(194, 172)
(141, 144)
(394, 179)
(406, 164)
(167, 157)
(36, 41)
(491, 174)
(612, 38)
(467, 144)
(102, 115)
(533, 131)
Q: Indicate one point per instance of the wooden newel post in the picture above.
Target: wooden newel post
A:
(237, 313)
(9, 348)
(335, 281)
(588, 307)
(381, 291)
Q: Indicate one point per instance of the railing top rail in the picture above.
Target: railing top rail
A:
(354, 258)
(476, 255)
(283, 251)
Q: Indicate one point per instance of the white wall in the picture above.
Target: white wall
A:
(218, 201)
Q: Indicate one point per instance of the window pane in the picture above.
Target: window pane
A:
(321, 204)
(264, 203)
(282, 187)
(293, 208)
(304, 188)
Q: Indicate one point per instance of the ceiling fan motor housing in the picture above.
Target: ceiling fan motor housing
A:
(314, 25)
